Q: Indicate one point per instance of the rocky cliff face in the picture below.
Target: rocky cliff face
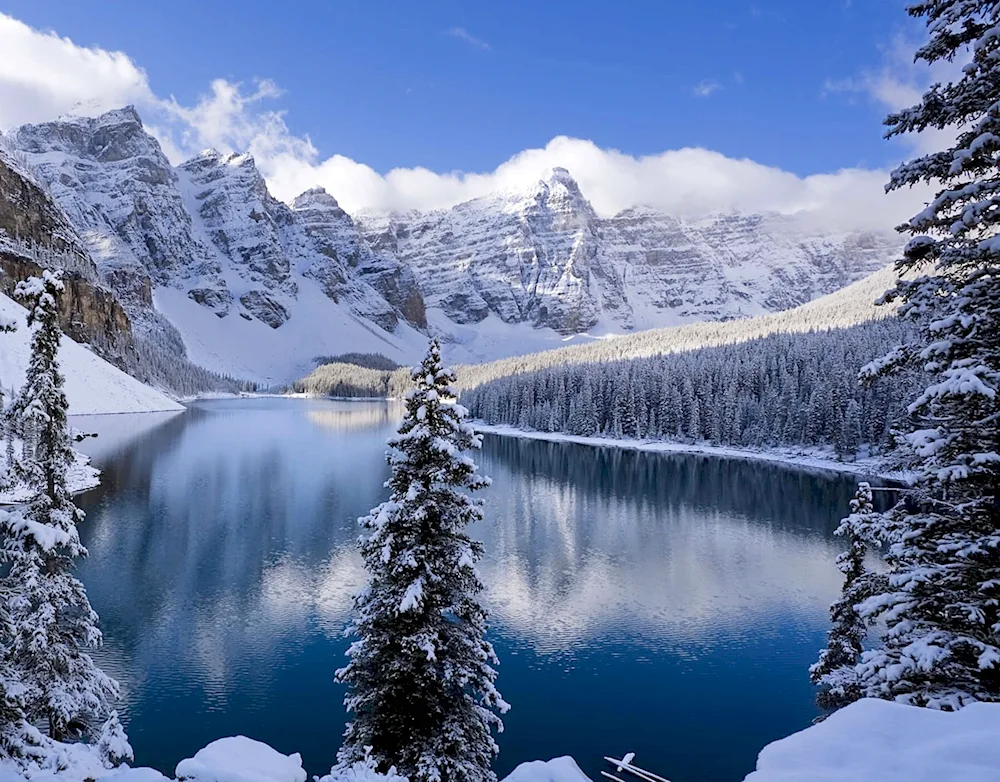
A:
(335, 235)
(542, 256)
(88, 313)
(208, 227)
(203, 255)
(34, 235)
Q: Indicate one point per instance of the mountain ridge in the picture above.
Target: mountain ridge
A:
(210, 265)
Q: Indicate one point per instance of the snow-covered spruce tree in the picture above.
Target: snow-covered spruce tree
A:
(834, 671)
(17, 736)
(421, 679)
(7, 326)
(941, 647)
(51, 619)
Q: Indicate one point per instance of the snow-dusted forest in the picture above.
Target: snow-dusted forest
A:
(784, 389)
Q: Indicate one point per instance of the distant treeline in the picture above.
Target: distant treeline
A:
(779, 390)
(366, 360)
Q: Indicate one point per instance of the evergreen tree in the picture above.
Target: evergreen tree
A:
(421, 678)
(51, 620)
(835, 671)
(7, 472)
(17, 737)
(942, 643)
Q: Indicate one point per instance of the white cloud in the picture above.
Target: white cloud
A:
(705, 88)
(464, 35)
(900, 82)
(43, 76)
(231, 117)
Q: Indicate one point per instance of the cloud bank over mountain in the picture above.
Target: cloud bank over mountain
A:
(43, 75)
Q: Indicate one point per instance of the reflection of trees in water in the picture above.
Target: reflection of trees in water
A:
(764, 492)
(581, 540)
(371, 415)
(219, 535)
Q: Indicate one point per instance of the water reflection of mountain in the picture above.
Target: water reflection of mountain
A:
(218, 536)
(223, 561)
(587, 541)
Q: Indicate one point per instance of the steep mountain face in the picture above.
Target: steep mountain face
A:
(34, 235)
(119, 191)
(337, 237)
(207, 237)
(525, 256)
(544, 257)
(207, 263)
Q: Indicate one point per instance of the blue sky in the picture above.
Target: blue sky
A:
(387, 84)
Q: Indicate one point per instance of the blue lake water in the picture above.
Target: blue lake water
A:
(667, 605)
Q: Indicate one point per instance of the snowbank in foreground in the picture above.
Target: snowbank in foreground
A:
(869, 740)
(239, 759)
(889, 742)
(815, 459)
(562, 769)
(93, 386)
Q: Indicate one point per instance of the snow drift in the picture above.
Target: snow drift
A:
(889, 742)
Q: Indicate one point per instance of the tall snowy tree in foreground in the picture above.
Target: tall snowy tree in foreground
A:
(51, 621)
(942, 605)
(421, 678)
(834, 671)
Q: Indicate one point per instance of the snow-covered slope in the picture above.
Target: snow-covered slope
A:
(874, 740)
(543, 256)
(208, 239)
(92, 384)
(198, 251)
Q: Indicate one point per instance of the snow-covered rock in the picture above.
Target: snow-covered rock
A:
(207, 237)
(889, 742)
(92, 384)
(198, 251)
(239, 759)
(350, 259)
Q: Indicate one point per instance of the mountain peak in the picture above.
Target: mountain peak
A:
(559, 175)
(316, 198)
(125, 115)
(112, 136)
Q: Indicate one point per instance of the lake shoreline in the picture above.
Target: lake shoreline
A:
(811, 461)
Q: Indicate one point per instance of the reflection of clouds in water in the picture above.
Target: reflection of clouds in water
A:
(292, 592)
(369, 417)
(709, 577)
(571, 558)
(225, 537)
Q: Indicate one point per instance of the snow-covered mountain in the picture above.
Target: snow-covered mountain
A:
(207, 263)
(203, 258)
(544, 257)
(93, 386)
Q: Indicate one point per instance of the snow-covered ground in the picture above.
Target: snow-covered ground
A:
(93, 386)
(80, 477)
(800, 458)
(868, 741)
(240, 759)
(253, 350)
(880, 741)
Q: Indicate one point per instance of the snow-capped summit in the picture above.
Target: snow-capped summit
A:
(194, 251)
(208, 238)
(541, 255)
